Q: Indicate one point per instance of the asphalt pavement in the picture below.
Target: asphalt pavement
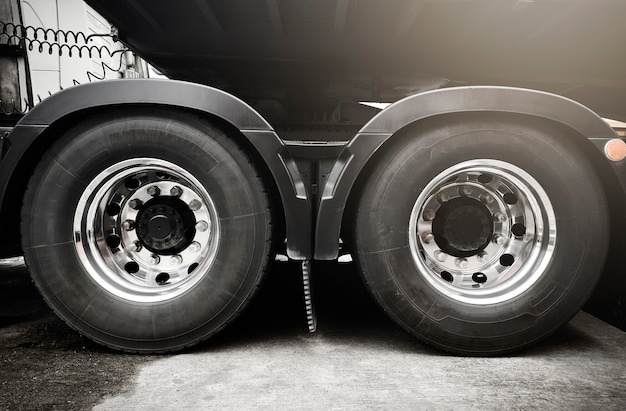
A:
(267, 360)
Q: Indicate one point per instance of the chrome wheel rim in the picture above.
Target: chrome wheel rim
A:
(146, 230)
(482, 232)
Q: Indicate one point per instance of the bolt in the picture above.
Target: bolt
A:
(128, 225)
(499, 217)
(443, 197)
(466, 190)
(176, 191)
(486, 198)
(154, 191)
(427, 237)
(482, 256)
(499, 239)
(440, 256)
(154, 259)
(195, 205)
(176, 260)
(202, 226)
(461, 262)
(138, 246)
(194, 247)
(134, 204)
(429, 214)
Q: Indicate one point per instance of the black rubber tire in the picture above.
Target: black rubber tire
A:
(222, 168)
(381, 237)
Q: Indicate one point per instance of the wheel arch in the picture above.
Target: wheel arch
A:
(41, 127)
(408, 115)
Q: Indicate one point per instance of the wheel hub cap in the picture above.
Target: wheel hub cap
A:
(166, 225)
(462, 227)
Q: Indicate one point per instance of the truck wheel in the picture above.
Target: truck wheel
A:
(482, 237)
(146, 232)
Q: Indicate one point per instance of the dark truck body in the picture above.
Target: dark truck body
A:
(301, 53)
(288, 77)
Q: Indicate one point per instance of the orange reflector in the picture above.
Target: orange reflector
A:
(615, 150)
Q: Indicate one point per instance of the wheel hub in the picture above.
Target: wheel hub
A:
(161, 228)
(165, 225)
(462, 227)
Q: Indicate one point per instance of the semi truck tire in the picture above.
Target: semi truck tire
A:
(479, 236)
(146, 231)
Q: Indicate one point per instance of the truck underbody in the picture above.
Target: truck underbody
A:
(481, 206)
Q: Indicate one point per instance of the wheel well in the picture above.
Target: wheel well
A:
(11, 241)
(612, 188)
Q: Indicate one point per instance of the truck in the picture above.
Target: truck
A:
(482, 205)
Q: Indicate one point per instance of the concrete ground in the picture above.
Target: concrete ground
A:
(357, 360)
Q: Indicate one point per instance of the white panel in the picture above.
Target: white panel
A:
(42, 82)
(73, 16)
(51, 72)
(41, 13)
(98, 24)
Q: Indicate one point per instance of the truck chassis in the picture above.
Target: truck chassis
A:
(480, 217)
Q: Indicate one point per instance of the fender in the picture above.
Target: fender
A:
(175, 94)
(434, 103)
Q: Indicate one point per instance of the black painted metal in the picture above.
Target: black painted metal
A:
(146, 91)
(293, 190)
(435, 103)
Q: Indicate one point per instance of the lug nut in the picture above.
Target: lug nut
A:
(154, 191)
(427, 237)
(499, 239)
(128, 225)
(440, 256)
(176, 191)
(443, 197)
(138, 246)
(194, 247)
(461, 262)
(499, 217)
(154, 259)
(486, 198)
(176, 260)
(429, 214)
(482, 256)
(134, 204)
(466, 190)
(195, 205)
(202, 226)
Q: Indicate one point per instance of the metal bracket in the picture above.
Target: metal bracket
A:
(311, 317)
